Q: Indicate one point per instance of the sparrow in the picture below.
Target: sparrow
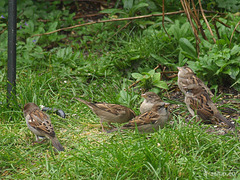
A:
(188, 80)
(149, 121)
(150, 98)
(40, 124)
(198, 96)
(110, 113)
(201, 104)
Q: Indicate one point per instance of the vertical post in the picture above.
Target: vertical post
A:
(11, 74)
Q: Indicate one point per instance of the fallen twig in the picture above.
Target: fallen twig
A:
(109, 20)
(120, 19)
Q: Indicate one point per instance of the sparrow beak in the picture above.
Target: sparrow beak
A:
(144, 95)
(179, 68)
(166, 105)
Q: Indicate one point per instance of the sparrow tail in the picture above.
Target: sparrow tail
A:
(57, 144)
(222, 118)
(91, 105)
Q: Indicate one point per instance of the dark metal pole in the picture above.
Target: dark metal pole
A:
(12, 20)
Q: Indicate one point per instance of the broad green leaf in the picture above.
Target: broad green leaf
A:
(137, 76)
(53, 26)
(28, 12)
(61, 53)
(206, 44)
(161, 84)
(220, 62)
(187, 47)
(232, 72)
(137, 7)
(156, 77)
(113, 11)
(185, 27)
(29, 26)
(68, 51)
(235, 50)
(151, 72)
(127, 4)
(175, 29)
(181, 59)
(124, 95)
(26, 56)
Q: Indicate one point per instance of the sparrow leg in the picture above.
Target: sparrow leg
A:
(188, 106)
(38, 140)
(103, 130)
(110, 124)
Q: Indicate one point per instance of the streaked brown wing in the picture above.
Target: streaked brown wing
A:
(40, 121)
(200, 105)
(112, 108)
(145, 118)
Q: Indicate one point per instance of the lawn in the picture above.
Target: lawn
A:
(97, 64)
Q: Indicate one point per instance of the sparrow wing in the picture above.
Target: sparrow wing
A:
(41, 121)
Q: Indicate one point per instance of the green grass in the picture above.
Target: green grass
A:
(52, 71)
(178, 150)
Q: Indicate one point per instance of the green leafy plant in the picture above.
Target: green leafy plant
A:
(149, 80)
(130, 8)
(230, 5)
(220, 66)
(127, 96)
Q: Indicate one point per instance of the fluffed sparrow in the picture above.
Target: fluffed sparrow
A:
(150, 98)
(40, 124)
(110, 113)
(149, 121)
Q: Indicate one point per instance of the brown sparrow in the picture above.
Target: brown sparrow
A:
(40, 124)
(110, 113)
(150, 98)
(197, 96)
(188, 80)
(202, 104)
(149, 121)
